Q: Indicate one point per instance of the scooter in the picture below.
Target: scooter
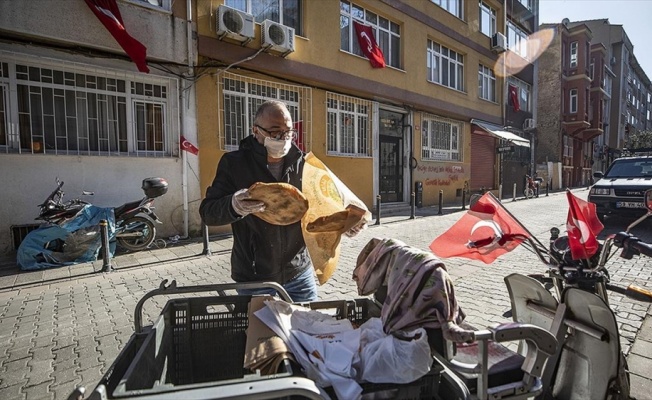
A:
(135, 228)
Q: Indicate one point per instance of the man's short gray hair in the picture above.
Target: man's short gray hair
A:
(268, 106)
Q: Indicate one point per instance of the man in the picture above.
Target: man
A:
(262, 251)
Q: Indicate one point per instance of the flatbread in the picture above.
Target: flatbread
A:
(284, 203)
(329, 223)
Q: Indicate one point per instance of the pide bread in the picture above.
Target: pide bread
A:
(329, 223)
(284, 203)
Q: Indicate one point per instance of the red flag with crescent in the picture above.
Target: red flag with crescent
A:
(513, 95)
(368, 44)
(484, 233)
(583, 227)
(108, 13)
(187, 146)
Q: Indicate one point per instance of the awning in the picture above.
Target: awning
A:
(498, 132)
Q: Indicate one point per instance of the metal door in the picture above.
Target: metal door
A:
(391, 169)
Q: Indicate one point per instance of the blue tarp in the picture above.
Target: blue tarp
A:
(82, 239)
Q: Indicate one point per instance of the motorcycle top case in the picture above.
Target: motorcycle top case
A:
(155, 187)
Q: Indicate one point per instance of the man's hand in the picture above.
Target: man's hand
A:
(357, 228)
(242, 206)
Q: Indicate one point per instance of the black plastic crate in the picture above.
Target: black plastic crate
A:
(195, 342)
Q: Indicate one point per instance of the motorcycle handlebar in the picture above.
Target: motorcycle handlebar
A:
(631, 245)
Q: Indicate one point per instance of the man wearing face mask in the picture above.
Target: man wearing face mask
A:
(262, 251)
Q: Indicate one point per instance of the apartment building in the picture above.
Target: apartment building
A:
(431, 119)
(74, 106)
(573, 92)
(628, 91)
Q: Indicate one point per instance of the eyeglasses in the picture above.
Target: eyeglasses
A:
(279, 135)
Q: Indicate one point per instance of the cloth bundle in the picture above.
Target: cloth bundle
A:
(420, 292)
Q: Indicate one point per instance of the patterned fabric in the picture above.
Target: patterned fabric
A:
(420, 292)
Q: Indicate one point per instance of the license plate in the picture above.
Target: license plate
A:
(629, 204)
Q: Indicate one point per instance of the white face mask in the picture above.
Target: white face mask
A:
(277, 148)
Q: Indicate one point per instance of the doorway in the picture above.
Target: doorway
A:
(391, 149)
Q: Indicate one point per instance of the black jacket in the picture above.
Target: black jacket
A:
(261, 251)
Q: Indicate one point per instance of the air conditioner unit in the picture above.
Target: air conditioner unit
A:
(529, 124)
(234, 24)
(498, 43)
(277, 38)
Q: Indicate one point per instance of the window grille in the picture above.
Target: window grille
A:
(348, 125)
(65, 110)
(240, 98)
(441, 138)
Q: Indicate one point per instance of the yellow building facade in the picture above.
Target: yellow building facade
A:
(382, 131)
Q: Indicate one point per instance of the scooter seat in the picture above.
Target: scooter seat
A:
(504, 364)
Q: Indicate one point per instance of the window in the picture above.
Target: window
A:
(162, 4)
(527, 3)
(573, 54)
(241, 97)
(487, 19)
(487, 83)
(452, 6)
(440, 139)
(591, 70)
(348, 125)
(524, 93)
(445, 66)
(64, 111)
(285, 12)
(572, 99)
(568, 146)
(516, 40)
(387, 33)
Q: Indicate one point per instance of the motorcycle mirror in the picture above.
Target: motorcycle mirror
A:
(554, 233)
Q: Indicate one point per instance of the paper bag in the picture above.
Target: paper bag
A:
(327, 195)
(264, 350)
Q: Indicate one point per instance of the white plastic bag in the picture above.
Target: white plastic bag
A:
(387, 359)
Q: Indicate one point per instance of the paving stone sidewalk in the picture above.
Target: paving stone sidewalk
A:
(63, 327)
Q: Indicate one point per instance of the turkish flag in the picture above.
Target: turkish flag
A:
(368, 44)
(108, 13)
(513, 95)
(484, 233)
(187, 146)
(583, 227)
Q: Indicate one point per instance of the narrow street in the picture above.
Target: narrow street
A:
(63, 328)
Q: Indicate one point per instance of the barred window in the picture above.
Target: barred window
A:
(440, 139)
(242, 96)
(487, 83)
(445, 66)
(348, 125)
(387, 33)
(64, 111)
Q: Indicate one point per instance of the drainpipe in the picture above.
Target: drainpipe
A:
(411, 139)
(185, 117)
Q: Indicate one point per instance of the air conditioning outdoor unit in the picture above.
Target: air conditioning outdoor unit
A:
(529, 124)
(498, 43)
(277, 38)
(234, 24)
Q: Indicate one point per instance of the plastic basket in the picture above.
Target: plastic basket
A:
(195, 342)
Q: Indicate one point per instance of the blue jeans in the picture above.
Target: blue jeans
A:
(301, 289)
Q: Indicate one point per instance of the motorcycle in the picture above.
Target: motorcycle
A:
(135, 228)
(588, 362)
(532, 186)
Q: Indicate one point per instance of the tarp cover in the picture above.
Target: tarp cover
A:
(81, 235)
